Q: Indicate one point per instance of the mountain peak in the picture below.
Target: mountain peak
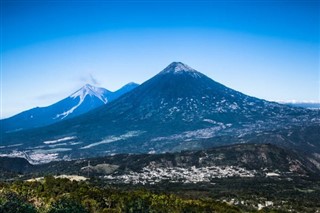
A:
(85, 99)
(92, 91)
(131, 84)
(86, 89)
(87, 86)
(180, 68)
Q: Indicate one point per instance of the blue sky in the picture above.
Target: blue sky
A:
(49, 49)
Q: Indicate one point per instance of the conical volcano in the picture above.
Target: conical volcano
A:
(177, 109)
(184, 95)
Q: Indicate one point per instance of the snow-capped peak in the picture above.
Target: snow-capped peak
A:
(92, 91)
(180, 68)
(81, 94)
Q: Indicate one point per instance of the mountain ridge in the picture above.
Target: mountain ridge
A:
(261, 159)
(170, 112)
(83, 100)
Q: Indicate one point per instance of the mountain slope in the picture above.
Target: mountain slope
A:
(255, 159)
(84, 100)
(177, 109)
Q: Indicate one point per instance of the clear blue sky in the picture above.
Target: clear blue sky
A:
(49, 49)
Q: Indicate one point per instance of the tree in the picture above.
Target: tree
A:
(10, 202)
(66, 205)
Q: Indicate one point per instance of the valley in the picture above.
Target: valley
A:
(248, 177)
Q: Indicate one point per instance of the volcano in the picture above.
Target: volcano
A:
(83, 100)
(178, 109)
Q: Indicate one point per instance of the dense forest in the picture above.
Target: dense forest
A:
(53, 195)
(61, 195)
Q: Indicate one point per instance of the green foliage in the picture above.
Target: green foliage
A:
(66, 205)
(64, 196)
(12, 203)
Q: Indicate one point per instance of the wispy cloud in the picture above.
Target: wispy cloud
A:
(89, 79)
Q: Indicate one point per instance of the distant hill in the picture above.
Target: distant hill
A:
(305, 105)
(11, 167)
(247, 160)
